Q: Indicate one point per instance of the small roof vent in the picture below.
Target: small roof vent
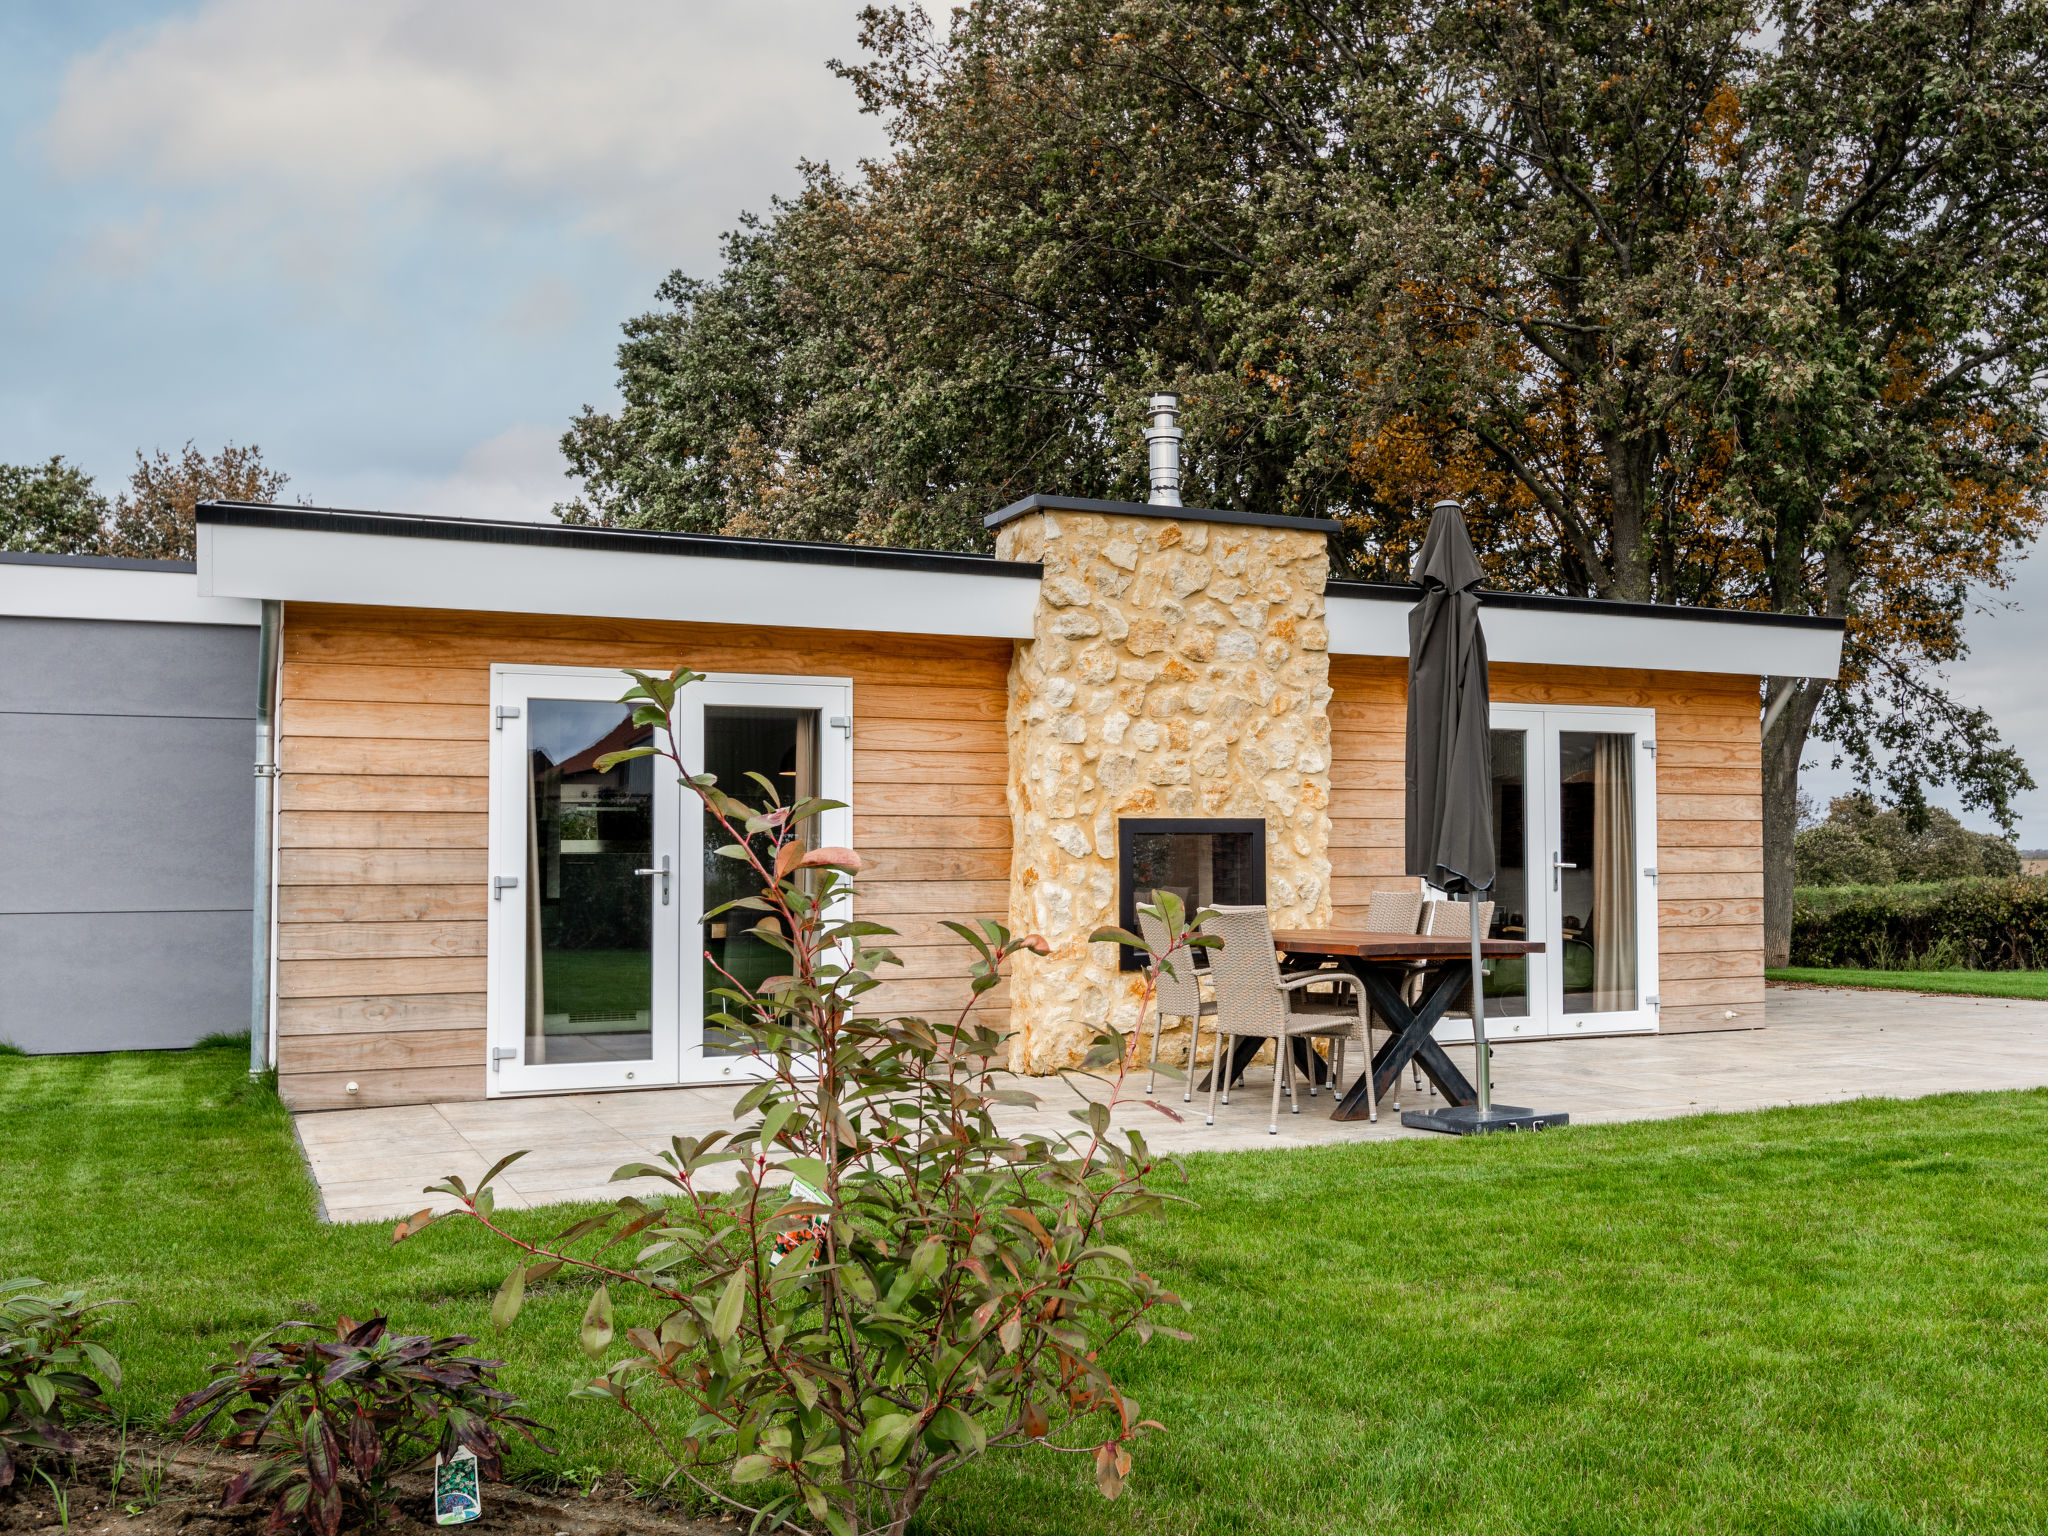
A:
(1162, 443)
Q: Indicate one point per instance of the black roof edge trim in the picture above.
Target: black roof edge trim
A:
(98, 562)
(1146, 509)
(405, 525)
(1405, 592)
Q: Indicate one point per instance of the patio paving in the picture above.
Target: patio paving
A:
(1820, 1046)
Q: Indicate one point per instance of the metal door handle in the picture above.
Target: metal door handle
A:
(1556, 879)
(661, 871)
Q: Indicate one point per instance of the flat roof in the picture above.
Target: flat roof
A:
(397, 560)
(98, 588)
(714, 546)
(382, 559)
(1542, 602)
(1017, 509)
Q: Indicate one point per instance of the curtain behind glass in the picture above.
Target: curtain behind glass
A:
(1614, 885)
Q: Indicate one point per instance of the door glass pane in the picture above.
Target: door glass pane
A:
(1597, 897)
(589, 917)
(1507, 981)
(782, 746)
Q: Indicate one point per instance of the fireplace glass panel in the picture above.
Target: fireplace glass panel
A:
(1203, 862)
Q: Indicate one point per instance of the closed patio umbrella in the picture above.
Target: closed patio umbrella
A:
(1450, 778)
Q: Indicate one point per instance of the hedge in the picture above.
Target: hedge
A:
(1988, 925)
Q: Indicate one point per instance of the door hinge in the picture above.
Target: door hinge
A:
(1652, 1003)
(500, 884)
(502, 1053)
(1650, 875)
(841, 723)
(503, 713)
(1650, 745)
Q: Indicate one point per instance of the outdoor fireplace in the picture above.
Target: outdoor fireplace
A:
(1203, 861)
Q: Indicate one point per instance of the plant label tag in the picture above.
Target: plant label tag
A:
(458, 1495)
(787, 1243)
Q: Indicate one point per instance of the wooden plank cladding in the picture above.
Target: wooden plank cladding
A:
(383, 816)
(1709, 813)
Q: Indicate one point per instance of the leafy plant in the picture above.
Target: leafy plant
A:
(46, 1363)
(367, 1403)
(894, 1283)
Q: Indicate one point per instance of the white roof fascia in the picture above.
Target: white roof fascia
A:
(1370, 626)
(381, 570)
(137, 596)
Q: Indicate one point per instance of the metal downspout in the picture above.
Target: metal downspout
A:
(266, 799)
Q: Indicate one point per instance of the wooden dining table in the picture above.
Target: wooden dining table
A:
(1383, 963)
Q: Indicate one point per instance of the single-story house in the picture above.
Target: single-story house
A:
(1124, 697)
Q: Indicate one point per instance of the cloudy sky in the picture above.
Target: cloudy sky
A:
(391, 241)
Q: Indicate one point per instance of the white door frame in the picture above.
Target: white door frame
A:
(832, 700)
(1543, 726)
(1642, 725)
(677, 1015)
(513, 689)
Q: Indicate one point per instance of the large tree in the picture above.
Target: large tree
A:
(155, 518)
(50, 509)
(53, 508)
(1698, 301)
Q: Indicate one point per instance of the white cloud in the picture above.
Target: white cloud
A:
(520, 473)
(652, 120)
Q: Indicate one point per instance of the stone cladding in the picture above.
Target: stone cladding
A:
(1177, 668)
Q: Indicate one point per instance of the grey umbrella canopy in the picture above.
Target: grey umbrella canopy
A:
(1450, 753)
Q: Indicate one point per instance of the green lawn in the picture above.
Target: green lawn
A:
(2033, 984)
(1815, 1322)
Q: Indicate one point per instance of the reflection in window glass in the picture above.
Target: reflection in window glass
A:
(1507, 981)
(1597, 835)
(589, 919)
(781, 745)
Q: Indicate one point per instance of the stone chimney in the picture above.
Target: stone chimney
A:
(1178, 667)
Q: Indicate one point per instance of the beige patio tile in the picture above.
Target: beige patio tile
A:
(1820, 1047)
(323, 1127)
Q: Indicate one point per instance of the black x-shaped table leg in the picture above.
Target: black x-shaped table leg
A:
(1411, 1040)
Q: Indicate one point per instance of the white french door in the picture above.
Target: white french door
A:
(1575, 830)
(797, 733)
(601, 953)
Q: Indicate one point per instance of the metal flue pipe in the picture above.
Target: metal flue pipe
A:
(1162, 445)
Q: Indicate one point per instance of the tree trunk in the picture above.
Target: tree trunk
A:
(1783, 748)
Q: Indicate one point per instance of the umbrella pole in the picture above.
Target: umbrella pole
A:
(1484, 1078)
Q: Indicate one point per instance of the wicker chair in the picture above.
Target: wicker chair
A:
(1389, 912)
(1255, 1003)
(1178, 995)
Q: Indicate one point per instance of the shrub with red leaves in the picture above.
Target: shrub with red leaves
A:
(343, 1417)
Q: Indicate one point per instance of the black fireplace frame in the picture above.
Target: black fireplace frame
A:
(1188, 826)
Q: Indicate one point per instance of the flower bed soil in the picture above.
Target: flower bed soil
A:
(188, 1499)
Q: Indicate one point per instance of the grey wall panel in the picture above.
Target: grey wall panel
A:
(125, 814)
(122, 981)
(126, 837)
(90, 666)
